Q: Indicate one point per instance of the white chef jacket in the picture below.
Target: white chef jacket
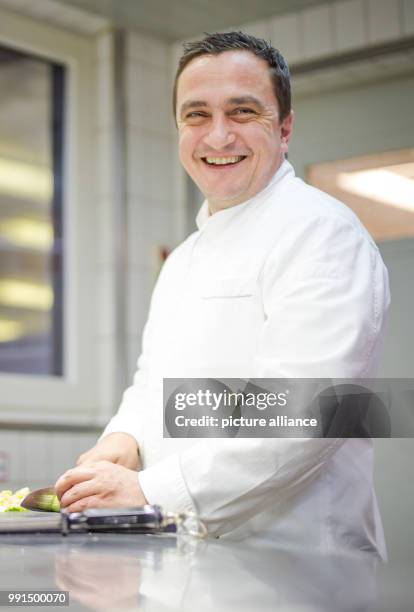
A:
(288, 284)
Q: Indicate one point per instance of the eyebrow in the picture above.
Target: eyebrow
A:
(237, 100)
(246, 100)
(192, 104)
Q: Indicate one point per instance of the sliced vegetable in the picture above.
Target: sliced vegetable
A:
(10, 502)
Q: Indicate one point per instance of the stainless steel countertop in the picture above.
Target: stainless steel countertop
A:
(159, 573)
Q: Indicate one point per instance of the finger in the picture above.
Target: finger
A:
(78, 492)
(72, 477)
(82, 458)
(87, 502)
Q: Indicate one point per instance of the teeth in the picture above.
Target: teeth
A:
(223, 160)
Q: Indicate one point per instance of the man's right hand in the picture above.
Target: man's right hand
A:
(119, 447)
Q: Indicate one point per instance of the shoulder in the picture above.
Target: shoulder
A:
(300, 215)
(299, 200)
(312, 231)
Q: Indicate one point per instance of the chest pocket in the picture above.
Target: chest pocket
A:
(229, 287)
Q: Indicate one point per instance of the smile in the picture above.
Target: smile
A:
(223, 161)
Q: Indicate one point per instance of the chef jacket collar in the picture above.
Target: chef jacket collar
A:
(204, 217)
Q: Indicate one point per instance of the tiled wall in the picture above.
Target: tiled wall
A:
(151, 200)
(338, 27)
(36, 459)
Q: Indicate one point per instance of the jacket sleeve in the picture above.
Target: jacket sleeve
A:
(130, 415)
(128, 418)
(325, 296)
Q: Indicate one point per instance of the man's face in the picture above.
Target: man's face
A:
(230, 139)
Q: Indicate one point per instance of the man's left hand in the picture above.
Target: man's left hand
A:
(99, 485)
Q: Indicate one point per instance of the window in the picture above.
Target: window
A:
(49, 352)
(31, 239)
(379, 188)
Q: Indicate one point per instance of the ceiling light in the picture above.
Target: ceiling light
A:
(20, 179)
(29, 233)
(24, 294)
(10, 330)
(380, 185)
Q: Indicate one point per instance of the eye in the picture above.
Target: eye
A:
(244, 111)
(195, 115)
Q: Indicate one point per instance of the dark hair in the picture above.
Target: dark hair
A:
(219, 42)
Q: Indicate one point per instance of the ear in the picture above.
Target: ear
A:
(286, 129)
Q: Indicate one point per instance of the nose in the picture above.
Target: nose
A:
(219, 134)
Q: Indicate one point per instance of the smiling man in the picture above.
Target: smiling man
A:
(233, 131)
(279, 281)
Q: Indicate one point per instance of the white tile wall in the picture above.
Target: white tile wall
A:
(134, 350)
(149, 97)
(105, 46)
(37, 459)
(56, 13)
(261, 29)
(105, 162)
(62, 452)
(383, 20)
(106, 296)
(151, 157)
(139, 286)
(104, 225)
(320, 31)
(11, 445)
(407, 17)
(149, 164)
(147, 50)
(317, 32)
(105, 112)
(287, 35)
(108, 395)
(350, 24)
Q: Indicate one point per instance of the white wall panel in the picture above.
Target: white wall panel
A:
(107, 364)
(317, 31)
(105, 288)
(138, 300)
(62, 452)
(350, 25)
(104, 226)
(383, 20)
(261, 29)
(286, 34)
(104, 140)
(105, 113)
(39, 467)
(151, 157)
(407, 17)
(134, 350)
(147, 49)
(12, 445)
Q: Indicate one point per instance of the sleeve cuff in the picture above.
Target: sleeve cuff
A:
(117, 425)
(163, 484)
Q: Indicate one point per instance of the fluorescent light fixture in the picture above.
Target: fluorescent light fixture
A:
(29, 233)
(380, 185)
(24, 294)
(10, 330)
(20, 179)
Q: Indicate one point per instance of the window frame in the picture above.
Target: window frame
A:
(72, 398)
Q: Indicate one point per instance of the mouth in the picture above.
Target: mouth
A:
(223, 162)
